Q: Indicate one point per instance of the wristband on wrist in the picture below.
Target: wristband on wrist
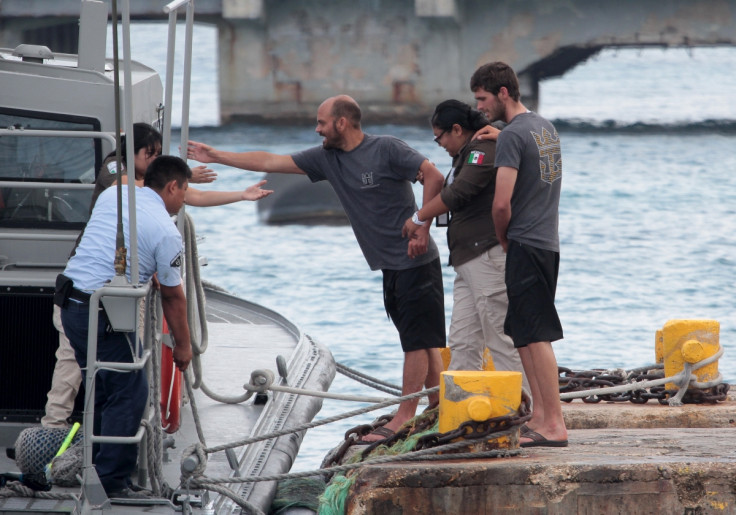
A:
(415, 218)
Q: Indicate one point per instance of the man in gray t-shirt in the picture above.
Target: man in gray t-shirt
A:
(372, 176)
(525, 216)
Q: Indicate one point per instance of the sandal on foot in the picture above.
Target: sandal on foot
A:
(384, 432)
(538, 440)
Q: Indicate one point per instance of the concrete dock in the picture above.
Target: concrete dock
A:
(622, 458)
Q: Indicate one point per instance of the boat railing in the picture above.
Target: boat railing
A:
(173, 9)
(93, 495)
(122, 318)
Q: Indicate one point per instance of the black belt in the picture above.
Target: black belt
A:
(79, 295)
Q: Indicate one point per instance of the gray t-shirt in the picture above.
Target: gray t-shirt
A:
(531, 145)
(373, 182)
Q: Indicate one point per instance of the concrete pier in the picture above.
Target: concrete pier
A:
(622, 459)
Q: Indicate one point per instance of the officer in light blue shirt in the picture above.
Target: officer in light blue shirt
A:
(159, 243)
(120, 398)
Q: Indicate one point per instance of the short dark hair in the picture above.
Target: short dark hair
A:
(451, 112)
(165, 169)
(494, 76)
(347, 108)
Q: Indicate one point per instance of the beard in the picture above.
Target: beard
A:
(498, 112)
(334, 140)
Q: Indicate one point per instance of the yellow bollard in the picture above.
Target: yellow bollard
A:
(488, 365)
(446, 355)
(658, 350)
(689, 341)
(479, 395)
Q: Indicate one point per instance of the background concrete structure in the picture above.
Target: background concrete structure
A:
(398, 58)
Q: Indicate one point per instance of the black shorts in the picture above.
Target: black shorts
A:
(531, 282)
(415, 302)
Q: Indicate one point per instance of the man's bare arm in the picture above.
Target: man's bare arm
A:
(430, 208)
(433, 181)
(174, 305)
(257, 161)
(501, 210)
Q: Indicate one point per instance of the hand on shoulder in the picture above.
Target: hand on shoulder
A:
(486, 133)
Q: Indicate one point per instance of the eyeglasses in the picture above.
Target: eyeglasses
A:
(439, 137)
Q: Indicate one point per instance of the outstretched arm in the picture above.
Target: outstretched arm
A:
(255, 161)
(199, 198)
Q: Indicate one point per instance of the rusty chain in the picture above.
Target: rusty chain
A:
(583, 380)
(470, 430)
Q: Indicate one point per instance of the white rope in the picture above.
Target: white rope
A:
(368, 380)
(410, 456)
(328, 420)
(196, 291)
(316, 393)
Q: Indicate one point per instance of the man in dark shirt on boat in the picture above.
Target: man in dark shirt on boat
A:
(120, 398)
(372, 176)
(525, 214)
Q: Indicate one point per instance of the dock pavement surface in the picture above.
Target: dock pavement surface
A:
(622, 458)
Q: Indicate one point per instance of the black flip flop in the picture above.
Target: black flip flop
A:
(538, 440)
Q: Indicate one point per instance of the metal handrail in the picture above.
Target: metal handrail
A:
(172, 9)
(59, 133)
(47, 185)
(93, 366)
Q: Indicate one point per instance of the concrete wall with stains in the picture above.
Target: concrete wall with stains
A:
(399, 58)
(278, 59)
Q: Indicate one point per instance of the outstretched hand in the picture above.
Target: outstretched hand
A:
(255, 192)
(487, 132)
(200, 152)
(201, 174)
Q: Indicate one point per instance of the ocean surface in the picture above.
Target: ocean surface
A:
(647, 218)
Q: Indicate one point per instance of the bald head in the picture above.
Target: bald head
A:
(338, 122)
(344, 106)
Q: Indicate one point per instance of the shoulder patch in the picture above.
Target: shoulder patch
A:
(176, 262)
(112, 167)
(476, 157)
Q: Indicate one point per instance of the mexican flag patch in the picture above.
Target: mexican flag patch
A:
(476, 157)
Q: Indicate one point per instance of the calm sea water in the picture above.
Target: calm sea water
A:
(647, 218)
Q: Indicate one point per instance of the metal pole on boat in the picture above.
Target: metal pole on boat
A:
(120, 251)
(169, 88)
(187, 81)
(130, 150)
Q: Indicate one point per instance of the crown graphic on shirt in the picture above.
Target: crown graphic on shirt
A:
(546, 139)
(550, 161)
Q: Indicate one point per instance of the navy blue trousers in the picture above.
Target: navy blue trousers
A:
(120, 397)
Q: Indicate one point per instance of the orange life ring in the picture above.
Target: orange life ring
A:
(170, 389)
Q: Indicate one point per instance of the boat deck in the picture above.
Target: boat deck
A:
(243, 337)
